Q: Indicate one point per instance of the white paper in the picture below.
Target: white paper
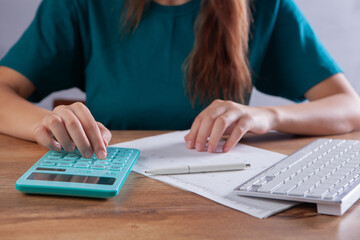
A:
(169, 150)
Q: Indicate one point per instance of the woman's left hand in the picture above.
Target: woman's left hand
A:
(228, 118)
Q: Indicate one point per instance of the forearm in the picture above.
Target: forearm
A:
(334, 114)
(18, 117)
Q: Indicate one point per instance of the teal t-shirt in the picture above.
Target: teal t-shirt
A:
(136, 81)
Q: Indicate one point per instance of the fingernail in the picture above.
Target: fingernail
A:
(70, 148)
(198, 147)
(88, 154)
(188, 144)
(57, 147)
(101, 154)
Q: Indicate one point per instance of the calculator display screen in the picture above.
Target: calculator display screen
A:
(71, 178)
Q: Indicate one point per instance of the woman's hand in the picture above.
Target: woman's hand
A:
(73, 126)
(227, 118)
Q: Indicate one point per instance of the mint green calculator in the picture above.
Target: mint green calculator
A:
(68, 173)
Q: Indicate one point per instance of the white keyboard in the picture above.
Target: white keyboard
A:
(325, 172)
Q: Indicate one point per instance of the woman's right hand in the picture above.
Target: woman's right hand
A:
(73, 126)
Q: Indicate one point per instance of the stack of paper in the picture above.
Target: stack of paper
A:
(169, 150)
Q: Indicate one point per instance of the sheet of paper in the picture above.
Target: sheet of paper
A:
(168, 150)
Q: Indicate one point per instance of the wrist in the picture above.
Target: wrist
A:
(37, 121)
(273, 116)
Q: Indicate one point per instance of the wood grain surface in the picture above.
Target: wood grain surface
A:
(148, 209)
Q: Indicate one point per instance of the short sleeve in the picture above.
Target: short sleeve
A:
(295, 60)
(49, 53)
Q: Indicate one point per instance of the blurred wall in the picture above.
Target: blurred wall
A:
(336, 22)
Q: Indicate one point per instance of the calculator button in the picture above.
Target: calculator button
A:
(64, 164)
(111, 173)
(85, 161)
(101, 162)
(51, 161)
(117, 158)
(61, 161)
(108, 158)
(71, 157)
(67, 160)
(47, 164)
(117, 165)
(113, 168)
(54, 157)
(81, 165)
(73, 154)
(60, 153)
(126, 150)
(84, 171)
(120, 161)
(99, 167)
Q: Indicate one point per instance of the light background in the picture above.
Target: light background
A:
(336, 22)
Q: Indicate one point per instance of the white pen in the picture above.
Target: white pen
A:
(199, 168)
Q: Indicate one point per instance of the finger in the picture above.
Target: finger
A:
(76, 132)
(216, 108)
(221, 124)
(203, 133)
(191, 136)
(91, 129)
(207, 124)
(44, 138)
(57, 128)
(242, 127)
(105, 133)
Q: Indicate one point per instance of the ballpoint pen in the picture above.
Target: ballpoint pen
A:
(198, 168)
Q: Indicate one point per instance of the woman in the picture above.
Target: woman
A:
(143, 66)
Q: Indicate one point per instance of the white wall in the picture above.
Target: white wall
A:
(336, 22)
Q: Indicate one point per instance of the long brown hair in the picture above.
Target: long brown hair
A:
(217, 66)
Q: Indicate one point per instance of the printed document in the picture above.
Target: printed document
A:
(169, 150)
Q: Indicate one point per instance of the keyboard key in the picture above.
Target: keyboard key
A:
(330, 195)
(298, 192)
(265, 188)
(284, 189)
(318, 192)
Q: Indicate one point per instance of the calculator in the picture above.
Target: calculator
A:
(70, 174)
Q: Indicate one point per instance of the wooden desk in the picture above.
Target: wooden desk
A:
(148, 209)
